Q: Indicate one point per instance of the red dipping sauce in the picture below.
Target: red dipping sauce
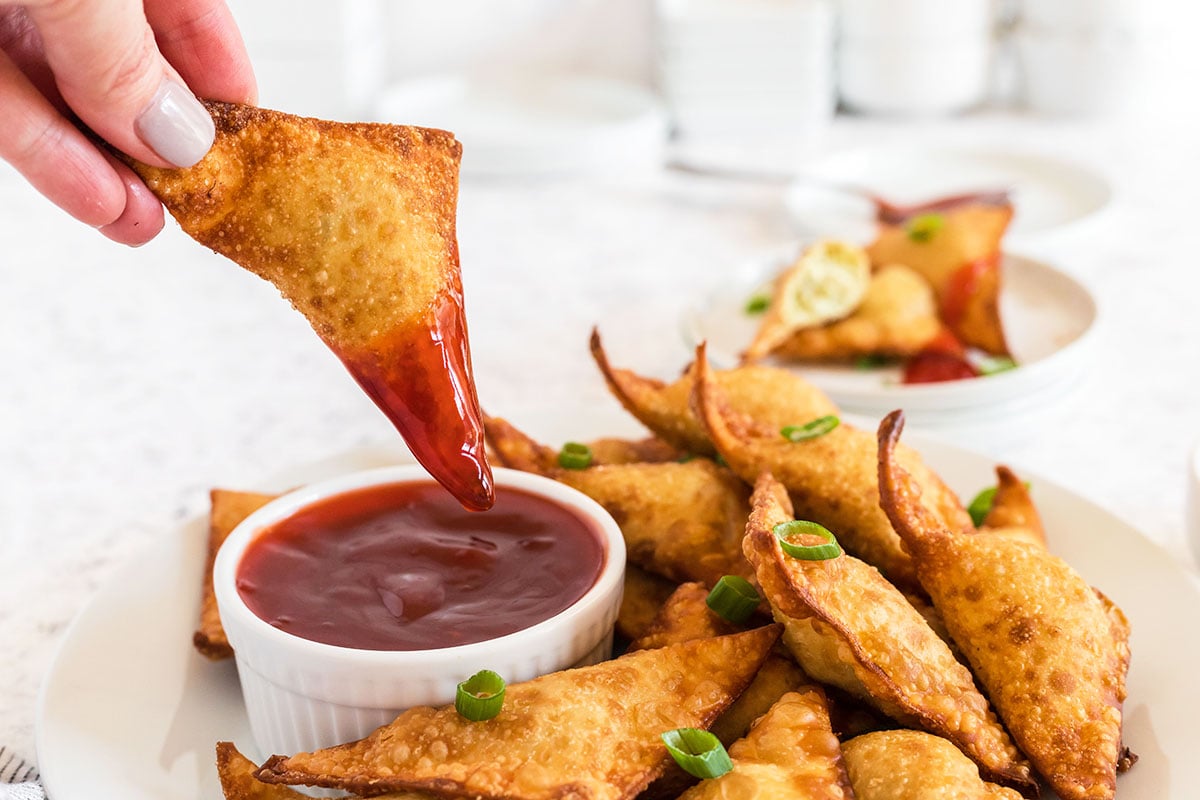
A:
(403, 566)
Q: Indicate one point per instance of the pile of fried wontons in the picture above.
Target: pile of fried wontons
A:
(931, 658)
(926, 292)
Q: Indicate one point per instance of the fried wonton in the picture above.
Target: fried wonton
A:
(897, 317)
(827, 282)
(229, 508)
(958, 252)
(644, 595)
(771, 395)
(831, 478)
(848, 627)
(588, 732)
(686, 617)
(1013, 512)
(789, 754)
(239, 783)
(911, 765)
(1050, 651)
(683, 520)
(354, 223)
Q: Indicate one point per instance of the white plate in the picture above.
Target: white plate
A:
(1049, 194)
(1049, 318)
(130, 712)
(535, 124)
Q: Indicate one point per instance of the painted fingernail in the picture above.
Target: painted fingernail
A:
(175, 125)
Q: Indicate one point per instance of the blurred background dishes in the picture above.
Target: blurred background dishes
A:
(917, 57)
(753, 75)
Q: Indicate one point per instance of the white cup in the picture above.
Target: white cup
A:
(900, 77)
(915, 19)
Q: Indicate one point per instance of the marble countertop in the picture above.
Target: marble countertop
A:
(136, 380)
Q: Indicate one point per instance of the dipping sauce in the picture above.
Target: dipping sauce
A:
(403, 566)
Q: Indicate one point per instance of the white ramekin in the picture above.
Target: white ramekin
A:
(302, 695)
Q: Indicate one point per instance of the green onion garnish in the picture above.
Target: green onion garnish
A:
(922, 228)
(871, 362)
(575, 456)
(758, 304)
(807, 552)
(810, 430)
(720, 460)
(991, 366)
(698, 752)
(981, 505)
(480, 696)
(733, 598)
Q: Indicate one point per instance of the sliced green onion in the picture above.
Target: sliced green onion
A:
(575, 456)
(991, 366)
(871, 362)
(807, 552)
(981, 505)
(720, 460)
(480, 696)
(733, 598)
(698, 752)
(922, 228)
(758, 304)
(810, 430)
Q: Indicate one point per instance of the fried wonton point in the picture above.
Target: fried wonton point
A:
(911, 765)
(848, 627)
(354, 223)
(1051, 652)
(592, 732)
(789, 754)
(1013, 512)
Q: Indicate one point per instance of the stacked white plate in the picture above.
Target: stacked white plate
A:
(754, 69)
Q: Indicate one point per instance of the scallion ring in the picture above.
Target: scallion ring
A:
(757, 304)
(697, 752)
(480, 696)
(922, 228)
(733, 598)
(575, 456)
(981, 506)
(807, 552)
(811, 430)
(995, 365)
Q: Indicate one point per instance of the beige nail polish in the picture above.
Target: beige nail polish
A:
(175, 126)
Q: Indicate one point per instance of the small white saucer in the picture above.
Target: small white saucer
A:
(533, 124)
(1049, 319)
(1049, 194)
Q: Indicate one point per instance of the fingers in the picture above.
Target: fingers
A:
(53, 155)
(109, 70)
(201, 40)
(142, 218)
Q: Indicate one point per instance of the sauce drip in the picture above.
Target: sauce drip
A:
(420, 377)
(403, 567)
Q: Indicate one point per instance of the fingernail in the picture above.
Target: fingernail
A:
(175, 126)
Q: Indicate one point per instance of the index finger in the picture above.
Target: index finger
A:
(202, 42)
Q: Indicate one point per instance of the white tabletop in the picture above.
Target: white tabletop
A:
(136, 380)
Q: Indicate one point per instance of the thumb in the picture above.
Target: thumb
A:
(110, 72)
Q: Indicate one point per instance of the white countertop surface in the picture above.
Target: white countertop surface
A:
(136, 380)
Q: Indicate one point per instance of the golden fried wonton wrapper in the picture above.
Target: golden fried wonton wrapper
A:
(589, 732)
(228, 509)
(1013, 512)
(848, 627)
(826, 283)
(789, 754)
(897, 317)
(831, 478)
(961, 260)
(1050, 651)
(644, 595)
(354, 223)
(770, 395)
(686, 617)
(911, 765)
(239, 783)
(683, 521)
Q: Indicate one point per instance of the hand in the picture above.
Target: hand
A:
(123, 68)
